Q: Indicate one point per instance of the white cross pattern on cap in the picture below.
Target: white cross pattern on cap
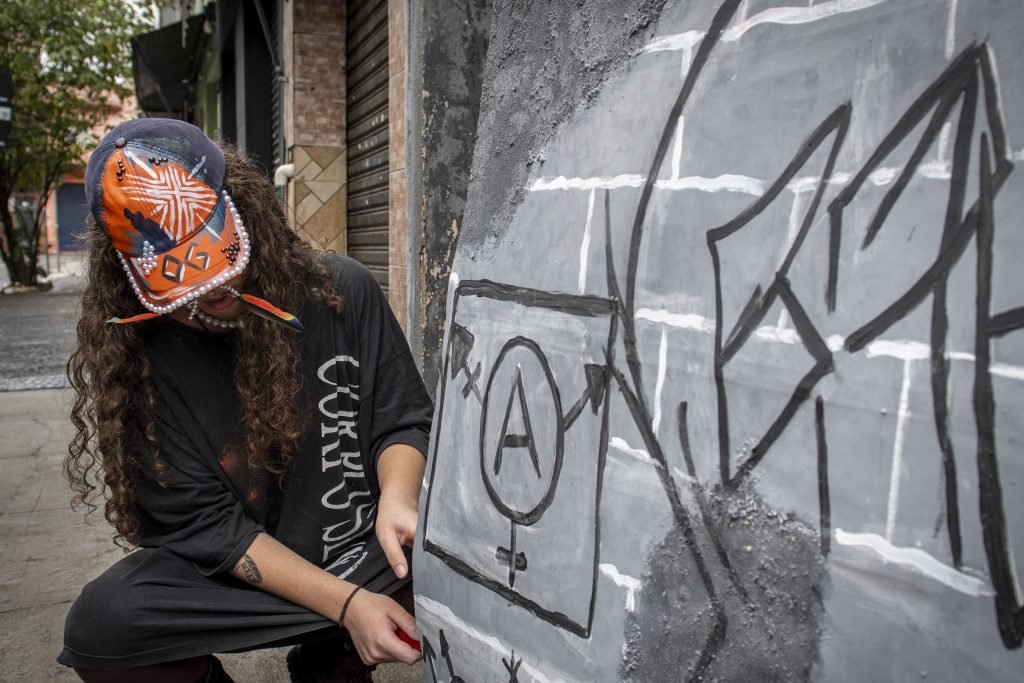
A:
(180, 203)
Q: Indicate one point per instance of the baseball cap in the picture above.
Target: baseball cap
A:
(156, 188)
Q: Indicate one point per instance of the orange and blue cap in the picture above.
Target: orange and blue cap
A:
(156, 188)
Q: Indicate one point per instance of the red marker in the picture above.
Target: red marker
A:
(407, 639)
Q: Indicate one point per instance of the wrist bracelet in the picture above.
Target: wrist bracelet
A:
(344, 608)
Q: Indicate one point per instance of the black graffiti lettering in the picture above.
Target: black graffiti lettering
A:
(969, 75)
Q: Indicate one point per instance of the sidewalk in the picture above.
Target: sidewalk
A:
(50, 551)
(37, 328)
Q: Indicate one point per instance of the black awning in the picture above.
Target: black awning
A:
(164, 67)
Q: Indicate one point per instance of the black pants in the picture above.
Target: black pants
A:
(154, 607)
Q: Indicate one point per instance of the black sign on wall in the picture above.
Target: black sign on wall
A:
(6, 91)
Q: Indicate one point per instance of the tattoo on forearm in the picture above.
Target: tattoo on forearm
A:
(247, 566)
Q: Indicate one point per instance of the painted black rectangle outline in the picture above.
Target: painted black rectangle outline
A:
(579, 305)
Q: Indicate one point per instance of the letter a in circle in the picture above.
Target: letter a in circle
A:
(523, 438)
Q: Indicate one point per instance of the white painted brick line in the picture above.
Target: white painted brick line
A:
(904, 350)
(884, 175)
(686, 321)
(1008, 371)
(994, 62)
(619, 444)
(599, 183)
(659, 386)
(677, 41)
(728, 182)
(778, 334)
(891, 348)
(810, 183)
(585, 245)
(744, 10)
(777, 15)
(732, 182)
(942, 153)
(951, 29)
(677, 148)
(792, 16)
(896, 469)
(630, 583)
(918, 561)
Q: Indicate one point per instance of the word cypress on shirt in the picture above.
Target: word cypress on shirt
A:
(347, 497)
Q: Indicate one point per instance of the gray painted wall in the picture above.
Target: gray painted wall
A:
(733, 358)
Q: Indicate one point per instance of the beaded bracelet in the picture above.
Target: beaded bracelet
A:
(344, 608)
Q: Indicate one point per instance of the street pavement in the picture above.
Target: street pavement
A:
(50, 550)
(36, 339)
(37, 330)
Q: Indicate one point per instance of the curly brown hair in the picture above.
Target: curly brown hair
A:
(113, 408)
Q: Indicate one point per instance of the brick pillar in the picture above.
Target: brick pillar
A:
(315, 119)
(398, 219)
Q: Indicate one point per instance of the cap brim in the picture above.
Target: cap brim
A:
(214, 255)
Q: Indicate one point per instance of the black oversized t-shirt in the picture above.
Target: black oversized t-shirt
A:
(360, 392)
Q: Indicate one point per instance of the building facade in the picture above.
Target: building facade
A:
(318, 92)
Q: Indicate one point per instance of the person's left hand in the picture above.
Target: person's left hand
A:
(396, 526)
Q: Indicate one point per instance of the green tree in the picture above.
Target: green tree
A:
(68, 59)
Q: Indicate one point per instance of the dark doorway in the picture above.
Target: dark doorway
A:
(71, 212)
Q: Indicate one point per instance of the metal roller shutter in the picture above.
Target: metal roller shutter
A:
(366, 134)
(277, 144)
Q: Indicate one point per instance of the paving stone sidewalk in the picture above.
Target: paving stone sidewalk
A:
(37, 329)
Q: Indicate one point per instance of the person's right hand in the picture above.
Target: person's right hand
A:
(372, 621)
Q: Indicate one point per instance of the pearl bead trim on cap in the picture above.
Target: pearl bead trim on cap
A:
(237, 268)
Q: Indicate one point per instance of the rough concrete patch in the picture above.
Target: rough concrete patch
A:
(542, 68)
(774, 605)
(452, 48)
